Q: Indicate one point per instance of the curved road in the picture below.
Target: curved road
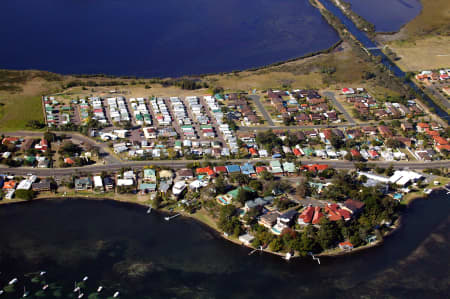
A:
(176, 164)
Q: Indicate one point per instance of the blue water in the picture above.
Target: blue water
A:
(157, 38)
(387, 15)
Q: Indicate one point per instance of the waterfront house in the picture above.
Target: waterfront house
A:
(185, 174)
(268, 220)
(84, 183)
(149, 175)
(346, 245)
(248, 169)
(306, 216)
(353, 206)
(233, 169)
(246, 239)
(108, 183)
(165, 175)
(43, 185)
(98, 183)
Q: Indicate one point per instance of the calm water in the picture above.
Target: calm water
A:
(157, 38)
(121, 247)
(387, 15)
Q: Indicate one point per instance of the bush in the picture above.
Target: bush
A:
(25, 194)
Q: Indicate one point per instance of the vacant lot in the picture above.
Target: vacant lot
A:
(422, 54)
(424, 42)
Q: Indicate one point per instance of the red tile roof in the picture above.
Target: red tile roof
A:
(220, 169)
(205, 170)
(317, 215)
(307, 215)
(260, 169)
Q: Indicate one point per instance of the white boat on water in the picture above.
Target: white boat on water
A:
(427, 191)
(80, 295)
(13, 281)
(25, 293)
(1, 292)
(149, 210)
(116, 294)
(43, 273)
(99, 289)
(288, 256)
(45, 287)
(77, 288)
(85, 278)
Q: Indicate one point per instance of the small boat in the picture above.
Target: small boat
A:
(13, 281)
(99, 289)
(80, 295)
(116, 294)
(25, 293)
(427, 191)
(77, 288)
(42, 273)
(149, 210)
(85, 278)
(288, 256)
(45, 287)
(1, 292)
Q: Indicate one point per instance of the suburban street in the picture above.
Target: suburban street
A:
(330, 95)
(262, 109)
(177, 164)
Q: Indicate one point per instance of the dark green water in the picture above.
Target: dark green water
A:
(122, 248)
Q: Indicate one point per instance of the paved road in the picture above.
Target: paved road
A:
(263, 110)
(341, 125)
(103, 147)
(435, 91)
(336, 103)
(176, 164)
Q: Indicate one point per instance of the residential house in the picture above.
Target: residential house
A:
(84, 183)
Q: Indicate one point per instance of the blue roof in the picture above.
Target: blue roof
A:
(233, 168)
(247, 168)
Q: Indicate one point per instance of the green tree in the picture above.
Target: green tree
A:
(25, 194)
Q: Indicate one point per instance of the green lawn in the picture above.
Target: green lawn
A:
(17, 111)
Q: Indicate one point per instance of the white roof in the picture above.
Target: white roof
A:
(24, 185)
(98, 181)
(125, 182)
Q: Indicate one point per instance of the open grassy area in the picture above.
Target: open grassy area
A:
(16, 111)
(424, 42)
(342, 65)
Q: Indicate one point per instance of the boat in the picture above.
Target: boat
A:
(99, 289)
(42, 273)
(85, 278)
(45, 287)
(116, 294)
(288, 256)
(80, 295)
(149, 210)
(77, 288)
(13, 281)
(427, 191)
(167, 218)
(1, 292)
(25, 293)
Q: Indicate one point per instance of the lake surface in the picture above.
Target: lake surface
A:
(157, 38)
(122, 248)
(387, 15)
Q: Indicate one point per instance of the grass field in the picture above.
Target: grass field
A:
(18, 110)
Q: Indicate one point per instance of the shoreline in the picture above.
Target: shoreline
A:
(214, 230)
